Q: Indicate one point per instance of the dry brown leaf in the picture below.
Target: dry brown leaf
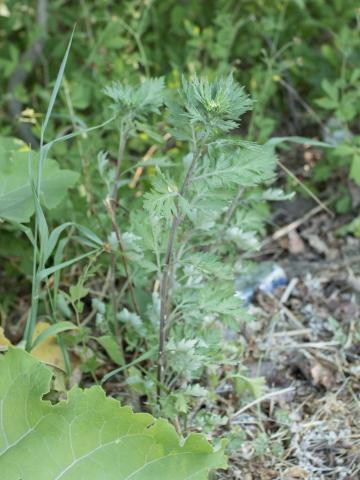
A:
(4, 342)
(323, 376)
(317, 244)
(296, 473)
(48, 351)
(296, 244)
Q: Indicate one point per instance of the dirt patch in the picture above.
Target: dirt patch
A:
(306, 343)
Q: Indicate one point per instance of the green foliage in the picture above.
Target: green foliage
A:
(201, 194)
(342, 100)
(176, 161)
(287, 75)
(192, 220)
(137, 101)
(213, 105)
(88, 435)
(353, 227)
(253, 385)
(16, 195)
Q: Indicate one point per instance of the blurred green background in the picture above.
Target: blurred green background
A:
(298, 59)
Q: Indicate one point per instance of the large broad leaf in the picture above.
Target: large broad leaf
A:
(16, 196)
(88, 436)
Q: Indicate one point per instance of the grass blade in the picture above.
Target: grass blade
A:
(45, 272)
(57, 85)
(52, 331)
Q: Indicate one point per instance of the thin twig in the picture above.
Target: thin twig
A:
(111, 204)
(230, 211)
(101, 297)
(261, 399)
(302, 102)
(150, 152)
(281, 232)
(233, 206)
(109, 208)
(124, 132)
(307, 190)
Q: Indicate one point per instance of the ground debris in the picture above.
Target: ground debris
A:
(306, 337)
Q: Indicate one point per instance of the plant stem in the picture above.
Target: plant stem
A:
(228, 215)
(165, 283)
(124, 133)
(109, 208)
(111, 204)
(233, 206)
(37, 254)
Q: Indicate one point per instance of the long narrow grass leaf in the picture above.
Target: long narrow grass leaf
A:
(275, 141)
(52, 331)
(89, 234)
(145, 356)
(45, 272)
(57, 260)
(53, 239)
(71, 135)
(57, 84)
(25, 230)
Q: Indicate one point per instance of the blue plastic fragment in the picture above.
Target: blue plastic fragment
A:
(266, 277)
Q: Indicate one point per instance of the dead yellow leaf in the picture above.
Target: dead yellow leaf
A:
(4, 342)
(48, 351)
(323, 376)
(296, 473)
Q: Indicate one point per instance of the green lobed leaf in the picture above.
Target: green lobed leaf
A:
(161, 200)
(87, 436)
(243, 167)
(138, 100)
(215, 106)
